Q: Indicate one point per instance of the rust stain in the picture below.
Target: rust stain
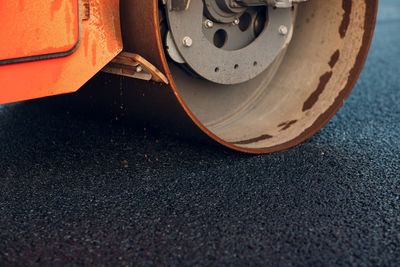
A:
(94, 53)
(369, 25)
(286, 125)
(55, 6)
(323, 81)
(44, 77)
(68, 20)
(55, 72)
(253, 140)
(334, 58)
(86, 42)
(347, 6)
(114, 26)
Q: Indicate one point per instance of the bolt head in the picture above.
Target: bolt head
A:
(283, 30)
(208, 24)
(236, 21)
(187, 41)
(139, 68)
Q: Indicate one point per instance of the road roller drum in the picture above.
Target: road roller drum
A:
(256, 76)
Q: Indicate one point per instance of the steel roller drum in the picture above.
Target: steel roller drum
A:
(287, 103)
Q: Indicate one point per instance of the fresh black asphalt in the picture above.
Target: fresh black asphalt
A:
(76, 189)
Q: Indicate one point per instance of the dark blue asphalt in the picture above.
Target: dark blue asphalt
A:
(81, 190)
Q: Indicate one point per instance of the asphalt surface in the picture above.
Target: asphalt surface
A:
(76, 189)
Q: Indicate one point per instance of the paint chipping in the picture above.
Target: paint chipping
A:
(286, 125)
(253, 140)
(347, 6)
(334, 59)
(369, 24)
(323, 81)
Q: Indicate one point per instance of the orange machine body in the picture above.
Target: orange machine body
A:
(51, 47)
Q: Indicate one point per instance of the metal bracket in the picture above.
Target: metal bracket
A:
(180, 5)
(134, 66)
(274, 3)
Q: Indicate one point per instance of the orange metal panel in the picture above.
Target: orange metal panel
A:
(100, 42)
(50, 28)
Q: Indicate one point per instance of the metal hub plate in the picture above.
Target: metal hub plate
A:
(230, 64)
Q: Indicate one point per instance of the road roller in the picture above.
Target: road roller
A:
(256, 76)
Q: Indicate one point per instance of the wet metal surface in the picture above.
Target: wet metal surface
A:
(78, 188)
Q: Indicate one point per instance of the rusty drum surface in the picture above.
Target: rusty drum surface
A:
(286, 104)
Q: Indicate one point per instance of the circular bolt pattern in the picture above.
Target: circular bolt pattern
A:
(223, 43)
(187, 41)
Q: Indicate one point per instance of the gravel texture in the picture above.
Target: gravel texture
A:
(82, 190)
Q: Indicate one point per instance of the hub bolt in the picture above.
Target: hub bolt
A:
(139, 68)
(187, 41)
(283, 30)
(236, 21)
(208, 24)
